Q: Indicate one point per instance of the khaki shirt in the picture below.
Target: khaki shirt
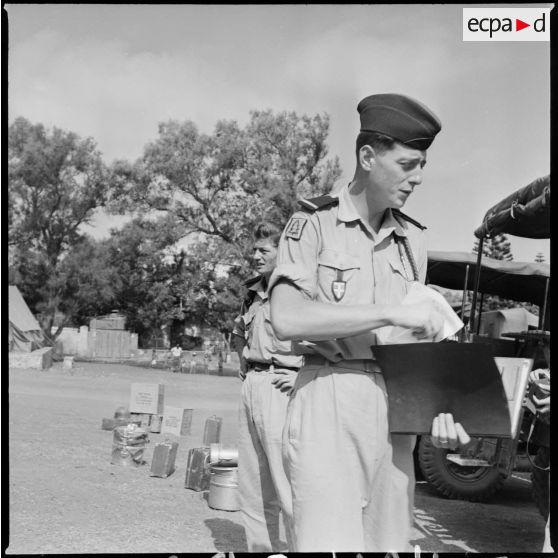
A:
(254, 325)
(336, 245)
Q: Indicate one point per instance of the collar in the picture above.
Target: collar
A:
(258, 285)
(347, 213)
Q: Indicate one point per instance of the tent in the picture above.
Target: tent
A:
(26, 334)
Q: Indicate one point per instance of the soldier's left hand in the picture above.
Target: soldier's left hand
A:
(284, 380)
(447, 434)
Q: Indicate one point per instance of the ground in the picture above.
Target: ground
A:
(66, 497)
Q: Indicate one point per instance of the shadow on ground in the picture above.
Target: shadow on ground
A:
(228, 536)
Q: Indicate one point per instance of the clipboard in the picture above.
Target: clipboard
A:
(482, 392)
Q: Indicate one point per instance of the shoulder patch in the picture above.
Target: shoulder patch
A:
(397, 213)
(314, 204)
(295, 227)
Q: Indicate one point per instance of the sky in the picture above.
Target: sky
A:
(113, 72)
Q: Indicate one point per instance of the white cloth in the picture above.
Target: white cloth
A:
(416, 294)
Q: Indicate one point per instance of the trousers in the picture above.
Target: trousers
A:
(264, 491)
(352, 483)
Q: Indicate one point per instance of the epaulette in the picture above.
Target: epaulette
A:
(399, 213)
(313, 204)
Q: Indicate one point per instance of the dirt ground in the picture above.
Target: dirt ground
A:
(66, 496)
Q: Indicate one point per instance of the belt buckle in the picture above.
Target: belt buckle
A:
(368, 366)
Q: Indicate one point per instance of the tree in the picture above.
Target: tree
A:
(56, 180)
(217, 187)
(220, 185)
(497, 247)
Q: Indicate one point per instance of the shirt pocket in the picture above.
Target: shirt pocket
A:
(338, 266)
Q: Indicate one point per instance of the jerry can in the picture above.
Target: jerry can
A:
(164, 457)
(212, 432)
(197, 469)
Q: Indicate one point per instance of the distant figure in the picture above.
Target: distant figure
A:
(153, 358)
(193, 364)
(176, 353)
(220, 362)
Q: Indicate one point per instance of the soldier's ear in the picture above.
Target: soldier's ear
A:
(366, 157)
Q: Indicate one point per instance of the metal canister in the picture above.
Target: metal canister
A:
(212, 432)
(128, 445)
(223, 489)
(222, 455)
(155, 425)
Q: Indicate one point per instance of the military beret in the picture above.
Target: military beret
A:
(399, 117)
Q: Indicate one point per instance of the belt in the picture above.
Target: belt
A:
(264, 366)
(363, 365)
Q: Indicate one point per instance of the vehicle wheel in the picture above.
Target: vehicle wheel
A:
(475, 484)
(539, 480)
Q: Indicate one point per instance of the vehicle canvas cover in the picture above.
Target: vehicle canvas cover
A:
(525, 213)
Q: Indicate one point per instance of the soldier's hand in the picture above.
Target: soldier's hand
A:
(284, 380)
(423, 318)
(447, 434)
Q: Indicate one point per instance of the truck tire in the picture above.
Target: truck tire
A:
(540, 481)
(474, 484)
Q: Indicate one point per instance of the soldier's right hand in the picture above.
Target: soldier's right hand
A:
(423, 318)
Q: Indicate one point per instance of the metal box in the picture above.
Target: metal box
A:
(197, 469)
(164, 457)
(212, 432)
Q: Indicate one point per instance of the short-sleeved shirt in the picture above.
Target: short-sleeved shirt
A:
(254, 325)
(334, 245)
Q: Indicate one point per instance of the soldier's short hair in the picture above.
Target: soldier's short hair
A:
(266, 230)
(377, 141)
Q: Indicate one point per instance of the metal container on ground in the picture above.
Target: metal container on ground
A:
(164, 457)
(128, 445)
(212, 432)
(223, 455)
(155, 424)
(197, 469)
(223, 489)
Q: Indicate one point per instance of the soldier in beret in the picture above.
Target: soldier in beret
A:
(268, 370)
(344, 264)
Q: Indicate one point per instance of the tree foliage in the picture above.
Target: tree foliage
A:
(210, 189)
(497, 247)
(220, 185)
(56, 180)
(159, 283)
